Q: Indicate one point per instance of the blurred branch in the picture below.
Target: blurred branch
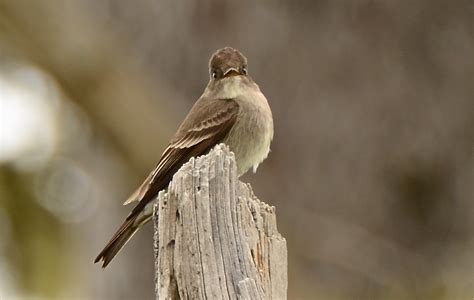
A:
(93, 68)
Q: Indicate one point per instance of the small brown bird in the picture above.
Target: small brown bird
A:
(232, 110)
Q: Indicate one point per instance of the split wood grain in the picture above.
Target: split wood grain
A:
(214, 239)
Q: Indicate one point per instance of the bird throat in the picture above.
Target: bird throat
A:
(231, 87)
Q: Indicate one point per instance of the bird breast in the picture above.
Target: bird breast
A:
(252, 133)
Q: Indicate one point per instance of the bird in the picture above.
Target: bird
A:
(232, 110)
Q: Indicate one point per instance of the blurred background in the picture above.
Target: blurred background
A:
(371, 169)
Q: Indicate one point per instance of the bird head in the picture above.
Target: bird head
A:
(227, 62)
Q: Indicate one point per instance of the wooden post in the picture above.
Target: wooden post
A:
(214, 239)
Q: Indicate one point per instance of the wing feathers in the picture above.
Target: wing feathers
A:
(211, 131)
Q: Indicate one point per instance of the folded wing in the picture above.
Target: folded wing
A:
(191, 140)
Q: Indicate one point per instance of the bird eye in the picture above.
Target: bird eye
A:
(214, 74)
(244, 70)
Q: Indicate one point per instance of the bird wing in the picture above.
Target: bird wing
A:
(191, 140)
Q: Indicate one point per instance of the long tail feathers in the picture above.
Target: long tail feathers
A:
(120, 238)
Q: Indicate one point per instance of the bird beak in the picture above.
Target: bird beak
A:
(231, 72)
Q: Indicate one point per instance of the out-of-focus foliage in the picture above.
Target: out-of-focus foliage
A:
(371, 170)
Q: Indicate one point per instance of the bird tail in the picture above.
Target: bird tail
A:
(120, 238)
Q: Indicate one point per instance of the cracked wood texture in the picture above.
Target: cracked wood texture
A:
(214, 239)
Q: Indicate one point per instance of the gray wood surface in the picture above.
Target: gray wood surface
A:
(214, 239)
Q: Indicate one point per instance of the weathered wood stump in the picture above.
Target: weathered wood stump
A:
(214, 239)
